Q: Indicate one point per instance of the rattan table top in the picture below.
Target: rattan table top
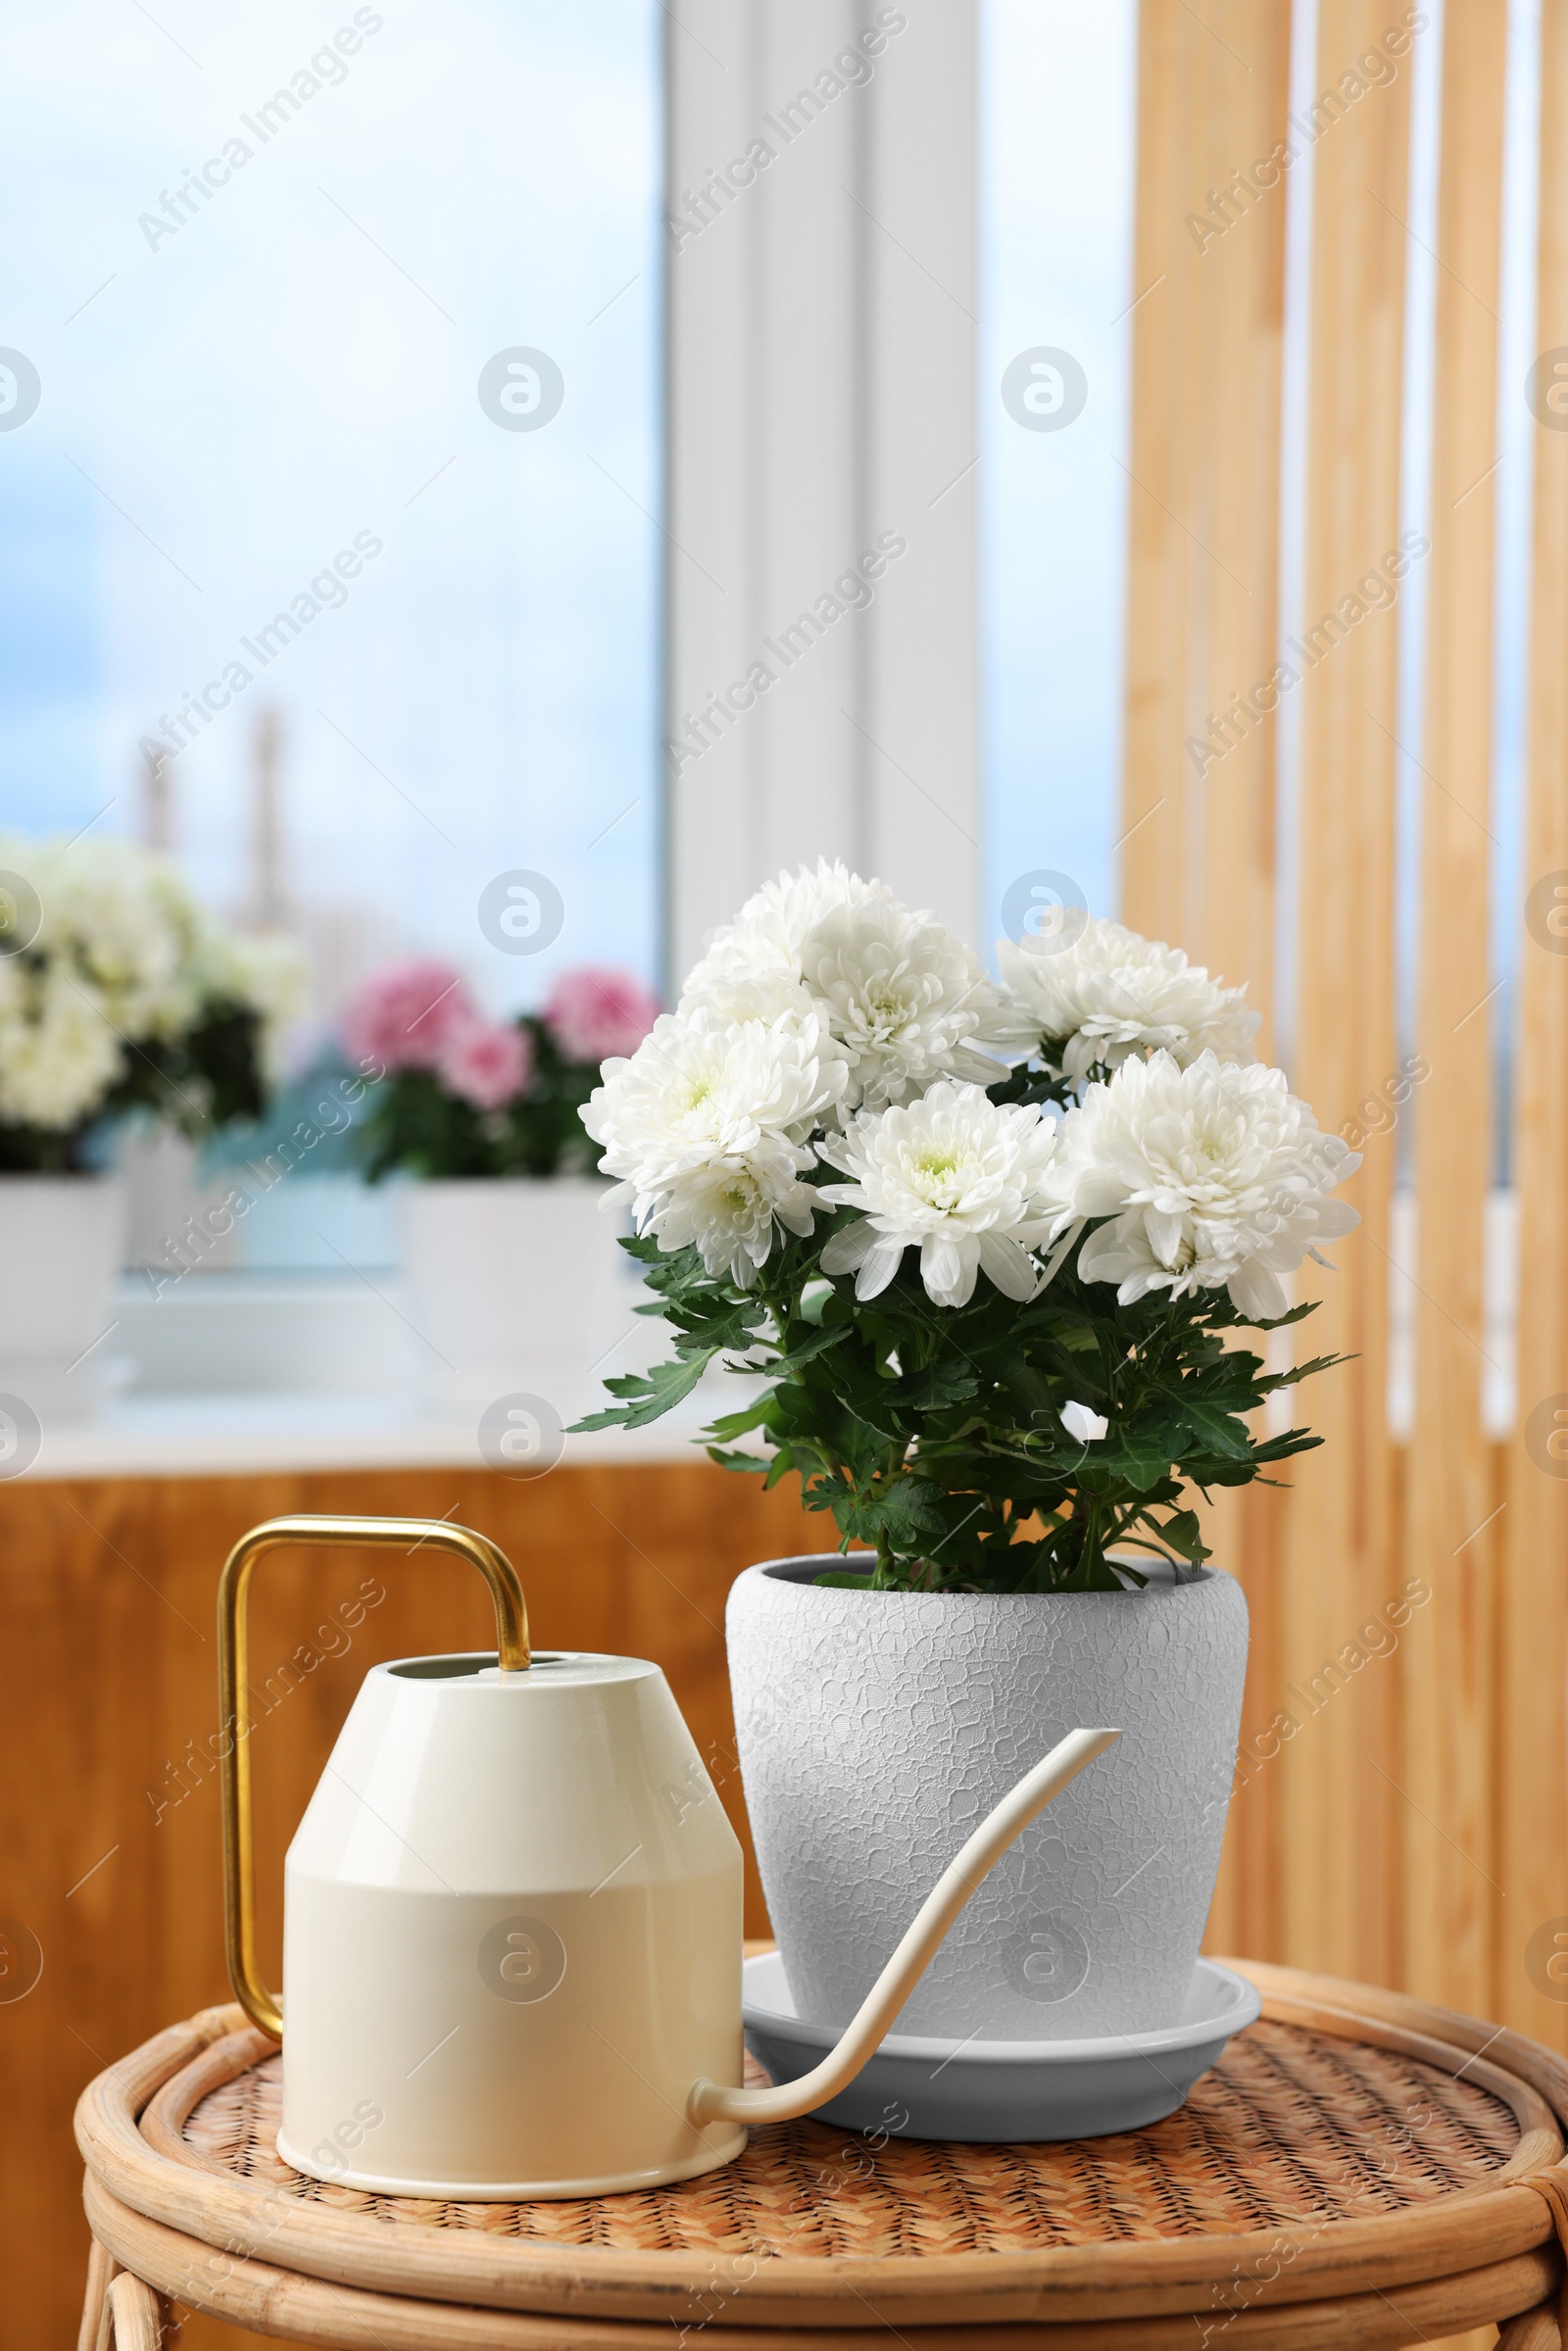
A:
(1348, 2146)
(1289, 2128)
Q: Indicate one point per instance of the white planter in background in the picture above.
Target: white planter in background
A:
(515, 1283)
(875, 1730)
(62, 1243)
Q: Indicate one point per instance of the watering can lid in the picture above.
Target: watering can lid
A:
(549, 1669)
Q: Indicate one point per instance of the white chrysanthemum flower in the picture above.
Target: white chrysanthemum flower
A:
(1082, 1422)
(1109, 995)
(906, 1000)
(1216, 1176)
(706, 1123)
(903, 997)
(763, 995)
(124, 955)
(764, 941)
(266, 970)
(58, 1054)
(954, 1174)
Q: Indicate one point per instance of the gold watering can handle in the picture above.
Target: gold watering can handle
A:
(233, 1691)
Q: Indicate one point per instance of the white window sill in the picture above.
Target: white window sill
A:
(229, 1373)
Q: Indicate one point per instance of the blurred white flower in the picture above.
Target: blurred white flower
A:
(1108, 995)
(125, 955)
(58, 1053)
(954, 1174)
(1214, 1175)
(1086, 1426)
(264, 970)
(706, 1123)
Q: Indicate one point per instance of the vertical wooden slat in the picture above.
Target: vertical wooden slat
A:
(1235, 505)
(1166, 263)
(1338, 1569)
(1231, 807)
(1197, 858)
(1203, 618)
(1533, 1758)
(1446, 1778)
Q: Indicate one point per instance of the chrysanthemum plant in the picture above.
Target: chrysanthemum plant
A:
(120, 996)
(985, 1245)
(461, 1095)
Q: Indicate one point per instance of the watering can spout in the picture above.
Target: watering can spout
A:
(713, 2102)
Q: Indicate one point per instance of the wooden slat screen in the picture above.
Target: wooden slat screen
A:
(1203, 611)
(1337, 1556)
(1400, 1811)
(1532, 1751)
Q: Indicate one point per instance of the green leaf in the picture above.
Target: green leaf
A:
(647, 1396)
(1220, 1433)
(807, 1350)
(1181, 1531)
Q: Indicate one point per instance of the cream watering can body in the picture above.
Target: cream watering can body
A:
(513, 1918)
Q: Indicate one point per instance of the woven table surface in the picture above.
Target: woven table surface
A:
(1291, 2128)
(1352, 2155)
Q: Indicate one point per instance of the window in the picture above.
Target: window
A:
(329, 554)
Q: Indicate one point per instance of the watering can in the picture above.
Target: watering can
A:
(512, 1925)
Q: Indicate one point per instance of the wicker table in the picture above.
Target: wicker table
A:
(1358, 2170)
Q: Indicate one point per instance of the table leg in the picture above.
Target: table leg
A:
(138, 2315)
(102, 2267)
(1533, 2330)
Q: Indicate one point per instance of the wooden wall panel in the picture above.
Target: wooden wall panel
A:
(1165, 361)
(1413, 1826)
(1203, 618)
(1339, 1564)
(1531, 1848)
(109, 1826)
(1204, 500)
(1447, 1771)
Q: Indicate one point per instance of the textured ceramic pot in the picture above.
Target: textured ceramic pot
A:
(62, 1243)
(876, 1729)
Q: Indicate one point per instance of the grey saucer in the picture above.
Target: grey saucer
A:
(1000, 2091)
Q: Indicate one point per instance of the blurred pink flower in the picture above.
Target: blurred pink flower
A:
(595, 1012)
(486, 1064)
(405, 1016)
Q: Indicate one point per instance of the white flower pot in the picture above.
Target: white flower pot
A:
(62, 1243)
(876, 1729)
(515, 1284)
